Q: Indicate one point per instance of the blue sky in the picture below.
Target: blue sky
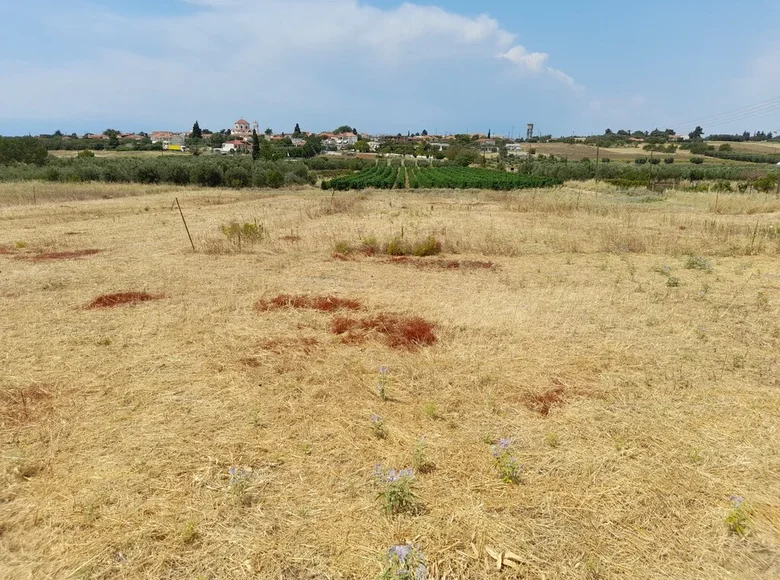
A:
(570, 67)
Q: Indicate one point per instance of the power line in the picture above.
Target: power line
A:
(767, 106)
(739, 110)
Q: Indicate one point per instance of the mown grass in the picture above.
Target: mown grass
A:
(571, 414)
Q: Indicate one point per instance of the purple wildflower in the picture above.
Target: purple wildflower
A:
(401, 552)
(737, 500)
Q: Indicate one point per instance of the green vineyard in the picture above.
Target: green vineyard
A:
(389, 177)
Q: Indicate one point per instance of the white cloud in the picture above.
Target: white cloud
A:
(531, 61)
(231, 54)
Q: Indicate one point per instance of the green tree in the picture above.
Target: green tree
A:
(362, 146)
(343, 129)
(266, 151)
(255, 145)
(196, 132)
(697, 133)
(113, 141)
(488, 133)
(269, 131)
(424, 133)
(297, 131)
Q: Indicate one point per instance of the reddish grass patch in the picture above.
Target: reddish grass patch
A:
(543, 402)
(321, 303)
(291, 238)
(121, 298)
(72, 255)
(402, 332)
(6, 250)
(22, 406)
(342, 257)
(445, 264)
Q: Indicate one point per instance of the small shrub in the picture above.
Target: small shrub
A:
(238, 178)
(378, 426)
(672, 282)
(738, 517)
(553, 440)
(404, 562)
(190, 533)
(669, 160)
(369, 246)
(239, 484)
(429, 247)
(431, 411)
(722, 185)
(382, 385)
(655, 161)
(420, 460)
(508, 468)
(342, 247)
(86, 154)
(396, 490)
(698, 263)
(246, 233)
(697, 160)
(640, 160)
(396, 247)
(725, 147)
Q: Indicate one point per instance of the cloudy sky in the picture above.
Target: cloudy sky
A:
(388, 66)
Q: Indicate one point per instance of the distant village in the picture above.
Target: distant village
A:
(239, 139)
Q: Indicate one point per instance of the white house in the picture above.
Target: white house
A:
(514, 149)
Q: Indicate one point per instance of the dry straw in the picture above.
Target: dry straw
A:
(197, 437)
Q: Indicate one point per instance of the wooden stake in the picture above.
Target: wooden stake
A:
(185, 225)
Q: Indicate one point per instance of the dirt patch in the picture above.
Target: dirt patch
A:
(72, 255)
(280, 345)
(443, 264)
(321, 303)
(543, 402)
(121, 298)
(402, 332)
(23, 406)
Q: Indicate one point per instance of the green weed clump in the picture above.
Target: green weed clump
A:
(246, 233)
(396, 246)
(738, 517)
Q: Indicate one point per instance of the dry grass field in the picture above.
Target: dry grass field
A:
(164, 413)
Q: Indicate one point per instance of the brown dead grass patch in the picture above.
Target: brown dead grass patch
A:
(290, 238)
(342, 257)
(121, 298)
(72, 255)
(543, 402)
(24, 405)
(401, 332)
(321, 303)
